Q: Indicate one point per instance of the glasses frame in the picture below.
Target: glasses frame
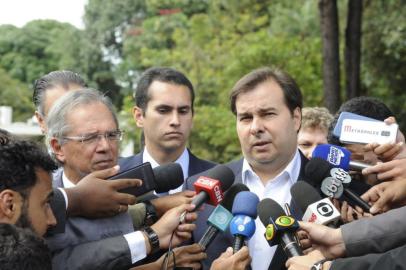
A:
(89, 139)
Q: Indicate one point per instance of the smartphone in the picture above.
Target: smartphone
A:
(143, 172)
(348, 115)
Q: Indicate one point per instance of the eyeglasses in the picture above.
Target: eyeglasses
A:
(111, 136)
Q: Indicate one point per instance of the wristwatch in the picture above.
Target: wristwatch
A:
(318, 265)
(152, 238)
(150, 213)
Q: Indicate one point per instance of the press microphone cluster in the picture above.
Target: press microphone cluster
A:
(338, 157)
(220, 217)
(160, 179)
(333, 182)
(209, 187)
(315, 208)
(280, 228)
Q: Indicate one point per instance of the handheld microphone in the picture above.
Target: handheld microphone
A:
(210, 188)
(242, 226)
(333, 181)
(315, 209)
(338, 157)
(220, 217)
(280, 228)
(161, 179)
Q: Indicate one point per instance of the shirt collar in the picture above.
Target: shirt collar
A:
(66, 182)
(183, 161)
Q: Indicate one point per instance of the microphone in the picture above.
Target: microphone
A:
(315, 209)
(209, 188)
(161, 179)
(280, 228)
(220, 217)
(338, 157)
(242, 226)
(333, 181)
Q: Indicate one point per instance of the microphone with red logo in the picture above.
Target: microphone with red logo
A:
(209, 188)
(338, 157)
(315, 209)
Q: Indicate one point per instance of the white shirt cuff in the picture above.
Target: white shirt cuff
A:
(65, 196)
(136, 243)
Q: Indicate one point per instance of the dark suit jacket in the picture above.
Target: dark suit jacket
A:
(393, 259)
(224, 240)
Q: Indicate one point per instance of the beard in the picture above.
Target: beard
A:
(24, 220)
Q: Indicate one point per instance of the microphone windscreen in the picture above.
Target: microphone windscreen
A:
(245, 203)
(304, 194)
(316, 170)
(223, 174)
(335, 155)
(268, 208)
(231, 193)
(167, 177)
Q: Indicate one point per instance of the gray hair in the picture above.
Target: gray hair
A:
(56, 120)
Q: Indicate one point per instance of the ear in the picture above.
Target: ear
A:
(10, 206)
(41, 122)
(138, 115)
(56, 148)
(297, 118)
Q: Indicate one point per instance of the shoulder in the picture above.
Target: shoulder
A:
(129, 162)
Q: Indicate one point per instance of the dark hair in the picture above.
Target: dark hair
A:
(5, 136)
(18, 161)
(22, 249)
(62, 78)
(162, 74)
(291, 91)
(366, 106)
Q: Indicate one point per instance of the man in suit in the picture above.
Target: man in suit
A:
(267, 104)
(164, 110)
(84, 134)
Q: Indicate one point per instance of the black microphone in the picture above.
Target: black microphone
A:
(333, 182)
(315, 208)
(210, 186)
(220, 217)
(161, 179)
(280, 228)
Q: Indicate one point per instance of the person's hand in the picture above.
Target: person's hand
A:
(165, 203)
(388, 171)
(327, 240)
(95, 197)
(305, 262)
(238, 261)
(185, 256)
(386, 195)
(349, 213)
(169, 223)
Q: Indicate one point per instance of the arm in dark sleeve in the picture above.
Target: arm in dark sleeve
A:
(58, 206)
(109, 253)
(393, 259)
(375, 235)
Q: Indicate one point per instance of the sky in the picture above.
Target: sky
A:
(19, 12)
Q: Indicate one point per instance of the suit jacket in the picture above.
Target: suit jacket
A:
(67, 247)
(392, 259)
(224, 240)
(196, 165)
(375, 235)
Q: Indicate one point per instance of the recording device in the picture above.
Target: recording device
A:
(209, 188)
(161, 179)
(353, 128)
(315, 208)
(280, 228)
(220, 217)
(242, 226)
(339, 157)
(333, 181)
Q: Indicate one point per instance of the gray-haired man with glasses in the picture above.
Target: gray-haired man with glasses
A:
(84, 135)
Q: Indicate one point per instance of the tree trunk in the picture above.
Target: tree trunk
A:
(331, 58)
(353, 49)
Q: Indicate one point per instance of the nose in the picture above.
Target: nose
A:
(103, 143)
(51, 220)
(256, 126)
(175, 119)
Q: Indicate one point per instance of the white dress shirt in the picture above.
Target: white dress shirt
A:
(183, 161)
(135, 240)
(277, 189)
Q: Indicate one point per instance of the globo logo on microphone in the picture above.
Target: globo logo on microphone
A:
(325, 209)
